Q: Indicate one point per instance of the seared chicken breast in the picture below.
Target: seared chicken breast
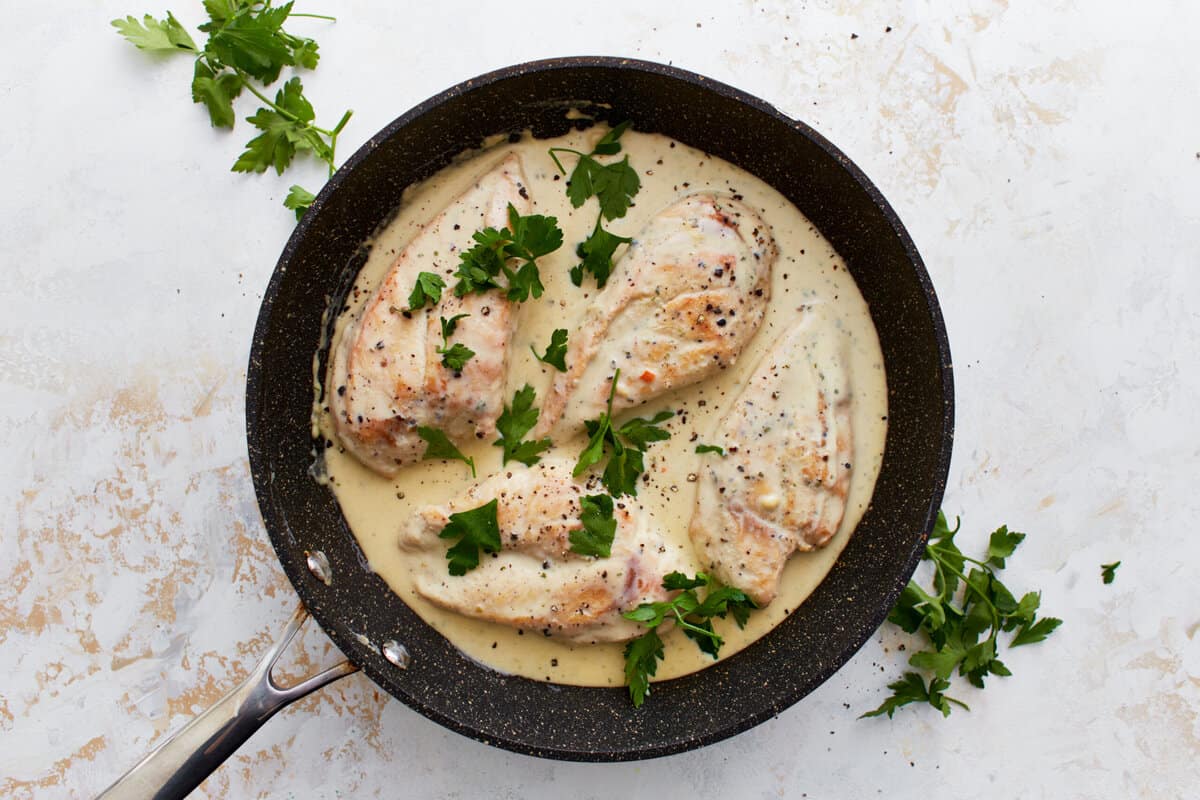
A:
(387, 377)
(781, 486)
(536, 581)
(682, 303)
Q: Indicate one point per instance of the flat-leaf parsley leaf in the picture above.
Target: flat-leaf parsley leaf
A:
(454, 356)
(298, 199)
(526, 239)
(556, 352)
(517, 420)
(641, 663)
(595, 538)
(691, 614)
(477, 529)
(426, 290)
(438, 445)
(614, 186)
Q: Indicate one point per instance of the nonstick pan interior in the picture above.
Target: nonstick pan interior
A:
(359, 611)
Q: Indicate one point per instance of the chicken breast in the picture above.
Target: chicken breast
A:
(536, 582)
(682, 303)
(781, 487)
(387, 377)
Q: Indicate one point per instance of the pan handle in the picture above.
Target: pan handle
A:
(178, 765)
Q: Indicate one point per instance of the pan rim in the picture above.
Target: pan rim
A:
(261, 466)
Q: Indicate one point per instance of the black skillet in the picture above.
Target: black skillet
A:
(377, 631)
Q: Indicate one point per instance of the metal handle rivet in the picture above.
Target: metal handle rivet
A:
(318, 565)
(396, 653)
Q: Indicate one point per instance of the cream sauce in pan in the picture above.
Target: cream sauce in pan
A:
(808, 273)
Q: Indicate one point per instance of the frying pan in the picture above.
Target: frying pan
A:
(373, 627)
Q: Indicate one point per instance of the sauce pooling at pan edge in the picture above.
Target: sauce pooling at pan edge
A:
(809, 285)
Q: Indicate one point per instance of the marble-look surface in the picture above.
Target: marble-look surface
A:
(1045, 157)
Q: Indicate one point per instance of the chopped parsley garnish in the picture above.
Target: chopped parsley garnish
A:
(247, 49)
(710, 448)
(516, 421)
(614, 186)
(525, 240)
(595, 538)
(556, 352)
(691, 614)
(454, 356)
(427, 289)
(911, 689)
(1109, 571)
(298, 199)
(641, 663)
(438, 446)
(625, 446)
(962, 629)
(476, 530)
(596, 253)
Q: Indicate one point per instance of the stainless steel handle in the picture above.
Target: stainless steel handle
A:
(179, 764)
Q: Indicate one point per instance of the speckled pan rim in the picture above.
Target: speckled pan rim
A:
(337, 629)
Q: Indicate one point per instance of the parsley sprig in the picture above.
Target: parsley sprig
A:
(614, 186)
(438, 445)
(454, 356)
(689, 613)
(526, 239)
(625, 446)
(599, 529)
(963, 628)
(517, 420)
(247, 48)
(556, 351)
(1108, 572)
(477, 529)
(427, 290)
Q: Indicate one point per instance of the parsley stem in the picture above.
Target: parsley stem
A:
(965, 557)
(333, 137)
(281, 111)
(342, 122)
(979, 592)
(313, 16)
(689, 626)
(558, 163)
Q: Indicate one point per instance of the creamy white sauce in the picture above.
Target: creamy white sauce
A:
(807, 272)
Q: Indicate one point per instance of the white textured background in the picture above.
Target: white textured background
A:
(1046, 159)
